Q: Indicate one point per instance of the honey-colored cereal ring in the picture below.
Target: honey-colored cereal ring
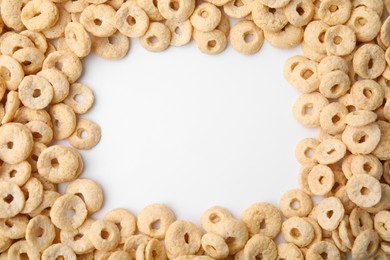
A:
(35, 92)
(366, 23)
(340, 40)
(157, 38)
(89, 191)
(275, 3)
(360, 220)
(114, 47)
(360, 118)
(66, 62)
(258, 246)
(369, 61)
(11, 13)
(80, 98)
(314, 102)
(213, 42)
(150, 7)
(381, 223)
(365, 245)
(364, 190)
(334, 12)
(299, 12)
(58, 251)
(320, 180)
(78, 239)
(63, 119)
(295, 203)
(58, 81)
(177, 10)
(332, 118)
(155, 249)
(38, 15)
(40, 232)
(182, 238)
(330, 64)
(268, 19)
(181, 32)
(246, 37)
(382, 149)
(305, 151)
(39, 40)
(133, 242)
(18, 173)
(49, 197)
(34, 189)
(330, 151)
(41, 132)
(330, 213)
(30, 58)
(12, 201)
(35, 153)
(15, 227)
(234, 10)
(367, 94)
(59, 212)
(288, 37)
(215, 246)
(125, 219)
(298, 231)
(320, 248)
(367, 164)
(77, 39)
(104, 235)
(99, 20)
(11, 71)
(289, 251)
(362, 140)
(58, 29)
(314, 35)
(22, 248)
(131, 20)
(16, 143)
(13, 42)
(206, 17)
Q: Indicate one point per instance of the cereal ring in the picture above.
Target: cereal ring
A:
(213, 216)
(114, 47)
(181, 32)
(260, 246)
(263, 219)
(369, 61)
(215, 246)
(360, 118)
(12, 202)
(35, 153)
(364, 190)
(367, 94)
(238, 9)
(365, 245)
(182, 238)
(330, 212)
(384, 35)
(11, 13)
(246, 37)
(376, 5)
(340, 40)
(15, 227)
(291, 64)
(275, 3)
(131, 20)
(332, 118)
(40, 232)
(22, 249)
(119, 255)
(41, 132)
(150, 7)
(288, 37)
(330, 151)
(13, 42)
(289, 251)
(362, 140)
(59, 164)
(63, 119)
(381, 224)
(367, 164)
(268, 19)
(177, 10)
(38, 15)
(213, 42)
(89, 191)
(99, 20)
(125, 220)
(154, 220)
(33, 190)
(30, 58)
(299, 12)
(18, 173)
(77, 39)
(318, 249)
(60, 215)
(305, 151)
(317, 229)
(382, 149)
(295, 203)
(77, 239)
(58, 29)
(345, 233)
(16, 143)
(320, 180)
(311, 53)
(56, 251)
(58, 81)
(298, 231)
(39, 40)
(80, 98)
(307, 109)
(384, 203)
(35, 92)
(157, 38)
(11, 71)
(206, 17)
(104, 235)
(330, 64)
(66, 62)
(133, 242)
(334, 12)
(366, 23)
(49, 197)
(314, 35)
(154, 250)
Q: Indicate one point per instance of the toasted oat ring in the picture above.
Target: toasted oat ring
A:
(60, 216)
(16, 143)
(375, 5)
(131, 20)
(89, 191)
(241, 10)
(295, 203)
(360, 118)
(206, 17)
(288, 37)
(218, 2)
(157, 38)
(298, 231)
(330, 213)
(305, 151)
(99, 20)
(11, 13)
(11, 71)
(125, 219)
(314, 35)
(39, 40)
(15, 227)
(364, 190)
(154, 249)
(381, 224)
(367, 164)
(59, 83)
(40, 232)
(213, 216)
(289, 251)
(56, 251)
(360, 220)
(58, 29)
(213, 42)
(215, 246)
(13, 42)
(18, 173)
(177, 10)
(317, 249)
(12, 199)
(362, 140)
(113, 47)
(150, 7)
(384, 33)
(332, 63)
(340, 40)
(104, 235)
(66, 62)
(41, 132)
(35, 153)
(59, 164)
(182, 238)
(30, 58)
(306, 102)
(334, 12)
(34, 189)
(291, 64)
(320, 180)
(11, 106)
(366, 23)
(77, 39)
(246, 37)
(38, 15)
(49, 197)
(35, 92)
(80, 98)
(181, 32)
(268, 19)
(369, 61)
(311, 53)
(365, 245)
(64, 121)
(333, 118)
(330, 151)
(299, 12)
(275, 3)
(154, 220)
(22, 248)
(133, 242)
(77, 239)
(260, 246)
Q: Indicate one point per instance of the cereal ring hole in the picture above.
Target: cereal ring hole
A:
(70, 213)
(186, 238)
(104, 234)
(211, 44)
(321, 37)
(360, 137)
(329, 214)
(54, 163)
(370, 64)
(230, 240)
(272, 10)
(333, 8)
(309, 152)
(203, 13)
(26, 63)
(214, 218)
(10, 145)
(12, 173)
(36, 135)
(248, 37)
(174, 5)
(81, 196)
(367, 167)
(307, 109)
(34, 157)
(36, 93)
(97, 22)
(152, 40)
(300, 10)
(78, 236)
(364, 191)
(79, 98)
(336, 118)
(38, 232)
(178, 31)
(307, 73)
(5, 73)
(8, 199)
(8, 223)
(337, 40)
(262, 224)
(295, 204)
(324, 255)
(156, 225)
(371, 247)
(24, 256)
(131, 20)
(360, 21)
(211, 249)
(59, 65)
(295, 233)
(82, 133)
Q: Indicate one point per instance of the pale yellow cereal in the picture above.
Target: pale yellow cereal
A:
(367, 164)
(60, 216)
(268, 19)
(78, 39)
(153, 216)
(58, 251)
(15, 227)
(334, 12)
(35, 92)
(288, 37)
(63, 119)
(131, 20)
(34, 189)
(181, 32)
(80, 98)
(49, 197)
(78, 239)
(307, 109)
(41, 132)
(365, 245)
(320, 180)
(11, 71)
(66, 62)
(362, 140)
(330, 212)
(157, 38)
(246, 37)
(124, 219)
(182, 238)
(340, 40)
(330, 151)
(38, 15)
(104, 235)
(58, 81)
(295, 203)
(177, 10)
(30, 58)
(58, 29)
(215, 246)
(360, 118)
(98, 20)
(12, 202)
(11, 13)
(206, 17)
(299, 12)
(365, 22)
(318, 249)
(298, 231)
(382, 150)
(40, 232)
(22, 249)
(213, 42)
(369, 61)
(16, 143)
(364, 190)
(305, 151)
(238, 9)
(304, 76)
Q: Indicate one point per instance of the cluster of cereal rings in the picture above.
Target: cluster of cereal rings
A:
(344, 77)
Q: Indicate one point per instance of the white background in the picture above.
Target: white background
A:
(192, 130)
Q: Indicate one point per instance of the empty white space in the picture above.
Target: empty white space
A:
(192, 130)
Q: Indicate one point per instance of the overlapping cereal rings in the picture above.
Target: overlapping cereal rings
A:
(343, 76)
